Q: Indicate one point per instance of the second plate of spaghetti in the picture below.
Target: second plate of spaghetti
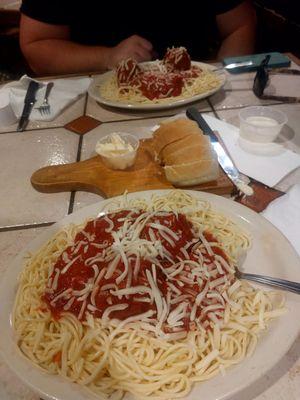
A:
(104, 89)
(137, 296)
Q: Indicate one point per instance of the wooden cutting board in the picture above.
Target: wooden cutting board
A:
(93, 176)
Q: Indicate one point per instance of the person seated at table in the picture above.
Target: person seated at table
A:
(60, 36)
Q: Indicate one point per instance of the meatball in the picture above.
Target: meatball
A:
(177, 59)
(127, 71)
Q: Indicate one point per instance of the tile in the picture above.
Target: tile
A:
(236, 99)
(231, 116)
(74, 110)
(139, 128)
(283, 85)
(11, 243)
(84, 199)
(21, 154)
(289, 137)
(282, 382)
(243, 81)
(11, 386)
(291, 132)
(294, 65)
(82, 125)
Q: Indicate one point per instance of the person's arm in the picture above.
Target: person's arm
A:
(49, 50)
(237, 30)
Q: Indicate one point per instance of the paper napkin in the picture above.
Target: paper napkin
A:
(284, 213)
(268, 168)
(63, 93)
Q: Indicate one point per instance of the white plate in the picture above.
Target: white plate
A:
(271, 254)
(96, 83)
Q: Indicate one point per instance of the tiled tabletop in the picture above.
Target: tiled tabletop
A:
(25, 213)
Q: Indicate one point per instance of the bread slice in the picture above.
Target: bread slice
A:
(185, 153)
(192, 173)
(188, 141)
(191, 148)
(171, 132)
(188, 154)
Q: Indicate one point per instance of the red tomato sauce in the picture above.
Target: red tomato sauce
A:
(155, 84)
(94, 241)
(159, 86)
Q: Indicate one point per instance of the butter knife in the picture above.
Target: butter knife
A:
(224, 160)
(28, 105)
(232, 66)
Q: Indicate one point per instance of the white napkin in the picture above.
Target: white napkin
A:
(63, 93)
(284, 213)
(268, 169)
(7, 116)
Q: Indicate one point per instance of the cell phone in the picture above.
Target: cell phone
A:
(277, 60)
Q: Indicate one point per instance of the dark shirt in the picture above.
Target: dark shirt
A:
(164, 24)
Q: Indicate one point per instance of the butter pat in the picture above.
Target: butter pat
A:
(118, 150)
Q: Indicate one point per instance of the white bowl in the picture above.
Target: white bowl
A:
(118, 160)
(261, 124)
(7, 116)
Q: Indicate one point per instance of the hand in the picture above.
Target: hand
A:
(134, 47)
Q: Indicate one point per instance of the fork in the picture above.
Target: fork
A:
(44, 108)
(267, 280)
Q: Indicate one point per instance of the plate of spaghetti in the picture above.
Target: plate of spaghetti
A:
(136, 297)
(173, 81)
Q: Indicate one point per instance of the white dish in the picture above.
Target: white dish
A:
(271, 254)
(7, 116)
(112, 156)
(96, 83)
(260, 124)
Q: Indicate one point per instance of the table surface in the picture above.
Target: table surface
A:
(25, 213)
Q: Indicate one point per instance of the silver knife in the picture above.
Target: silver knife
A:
(28, 105)
(223, 158)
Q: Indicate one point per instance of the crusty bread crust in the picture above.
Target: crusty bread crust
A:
(171, 132)
(192, 173)
(185, 153)
(188, 141)
(188, 154)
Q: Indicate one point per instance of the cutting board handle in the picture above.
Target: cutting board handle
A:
(69, 177)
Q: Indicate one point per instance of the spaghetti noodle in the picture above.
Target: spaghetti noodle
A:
(142, 299)
(171, 79)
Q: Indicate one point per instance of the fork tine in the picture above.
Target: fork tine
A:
(44, 108)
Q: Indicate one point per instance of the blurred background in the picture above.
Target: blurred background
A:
(278, 29)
